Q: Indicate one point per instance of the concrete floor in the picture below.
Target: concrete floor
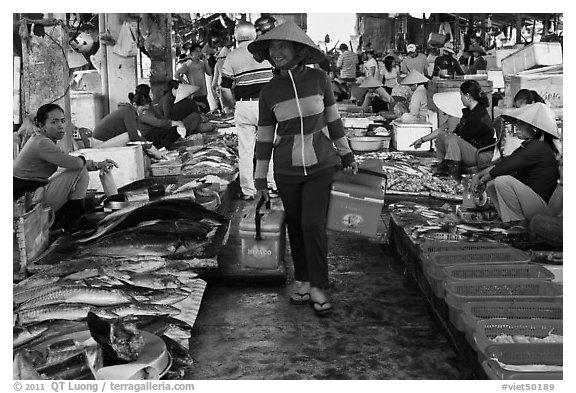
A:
(380, 329)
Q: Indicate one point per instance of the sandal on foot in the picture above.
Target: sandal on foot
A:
(273, 193)
(322, 310)
(300, 298)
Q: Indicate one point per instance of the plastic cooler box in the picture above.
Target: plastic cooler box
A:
(356, 202)
(403, 134)
(263, 238)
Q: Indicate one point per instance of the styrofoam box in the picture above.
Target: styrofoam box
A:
(130, 160)
(535, 54)
(502, 53)
(403, 134)
(548, 86)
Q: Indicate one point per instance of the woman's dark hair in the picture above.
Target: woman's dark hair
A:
(528, 96)
(173, 84)
(141, 99)
(140, 89)
(472, 87)
(42, 113)
(388, 63)
(343, 47)
(194, 46)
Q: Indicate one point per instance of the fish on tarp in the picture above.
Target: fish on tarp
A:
(23, 370)
(180, 355)
(34, 292)
(168, 296)
(75, 265)
(164, 209)
(154, 281)
(142, 265)
(36, 280)
(135, 309)
(103, 281)
(70, 312)
(23, 335)
(80, 294)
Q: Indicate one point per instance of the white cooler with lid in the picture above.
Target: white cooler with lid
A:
(404, 133)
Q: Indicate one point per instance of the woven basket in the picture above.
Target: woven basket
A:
(522, 354)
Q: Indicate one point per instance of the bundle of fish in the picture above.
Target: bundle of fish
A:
(174, 228)
(214, 159)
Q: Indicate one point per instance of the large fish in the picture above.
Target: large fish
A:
(24, 335)
(36, 280)
(151, 280)
(135, 309)
(80, 294)
(169, 209)
(34, 292)
(70, 312)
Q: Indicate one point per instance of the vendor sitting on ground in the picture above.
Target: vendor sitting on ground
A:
(418, 106)
(376, 98)
(35, 165)
(121, 126)
(177, 104)
(473, 132)
(522, 184)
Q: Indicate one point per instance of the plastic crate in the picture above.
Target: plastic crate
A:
(438, 260)
(462, 291)
(428, 247)
(487, 329)
(473, 312)
(522, 354)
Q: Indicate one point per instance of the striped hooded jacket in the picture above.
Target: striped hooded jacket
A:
(301, 112)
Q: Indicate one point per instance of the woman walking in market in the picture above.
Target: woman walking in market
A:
(299, 106)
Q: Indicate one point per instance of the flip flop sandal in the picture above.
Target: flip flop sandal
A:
(321, 311)
(300, 298)
(273, 193)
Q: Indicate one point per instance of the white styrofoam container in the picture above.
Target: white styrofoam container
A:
(87, 108)
(502, 53)
(404, 134)
(130, 160)
(548, 86)
(535, 54)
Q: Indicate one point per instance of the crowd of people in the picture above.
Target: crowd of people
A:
(291, 138)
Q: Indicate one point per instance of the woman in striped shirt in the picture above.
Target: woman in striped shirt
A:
(299, 120)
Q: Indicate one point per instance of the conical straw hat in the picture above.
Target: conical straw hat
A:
(449, 102)
(185, 90)
(287, 31)
(448, 47)
(537, 115)
(477, 48)
(413, 78)
(371, 82)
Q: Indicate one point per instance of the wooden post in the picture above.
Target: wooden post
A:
(518, 28)
(457, 33)
(161, 61)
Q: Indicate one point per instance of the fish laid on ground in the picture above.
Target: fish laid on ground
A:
(132, 241)
(22, 369)
(154, 281)
(150, 264)
(135, 309)
(70, 312)
(36, 280)
(80, 294)
(34, 292)
(103, 281)
(168, 296)
(24, 335)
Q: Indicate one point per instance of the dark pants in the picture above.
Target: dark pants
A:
(306, 207)
(187, 111)
(162, 137)
(203, 104)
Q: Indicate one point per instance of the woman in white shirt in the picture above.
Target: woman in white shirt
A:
(418, 107)
(389, 74)
(370, 64)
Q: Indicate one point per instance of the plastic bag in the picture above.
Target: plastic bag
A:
(126, 45)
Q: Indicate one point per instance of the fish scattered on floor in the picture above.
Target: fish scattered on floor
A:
(168, 296)
(34, 292)
(79, 294)
(36, 280)
(135, 309)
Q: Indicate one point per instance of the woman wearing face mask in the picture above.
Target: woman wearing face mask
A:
(299, 107)
(521, 184)
(35, 165)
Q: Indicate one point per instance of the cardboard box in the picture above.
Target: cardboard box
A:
(533, 55)
(267, 252)
(403, 134)
(130, 160)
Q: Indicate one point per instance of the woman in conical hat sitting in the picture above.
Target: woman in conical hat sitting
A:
(376, 98)
(299, 122)
(520, 185)
(418, 105)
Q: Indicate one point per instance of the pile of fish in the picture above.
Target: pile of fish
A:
(407, 176)
(155, 291)
(216, 158)
(176, 228)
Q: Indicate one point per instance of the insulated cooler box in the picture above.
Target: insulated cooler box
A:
(404, 134)
(263, 238)
(356, 207)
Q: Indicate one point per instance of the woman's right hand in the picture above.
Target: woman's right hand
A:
(417, 143)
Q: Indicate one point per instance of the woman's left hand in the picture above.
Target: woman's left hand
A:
(352, 168)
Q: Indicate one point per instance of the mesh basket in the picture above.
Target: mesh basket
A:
(439, 260)
(473, 312)
(428, 247)
(519, 355)
(462, 291)
(488, 329)
(505, 270)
